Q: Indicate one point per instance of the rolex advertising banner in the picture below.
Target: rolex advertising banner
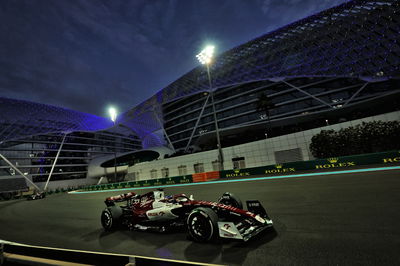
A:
(333, 163)
(144, 183)
(328, 163)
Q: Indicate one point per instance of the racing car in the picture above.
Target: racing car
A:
(205, 220)
(37, 195)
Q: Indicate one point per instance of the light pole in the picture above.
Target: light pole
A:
(205, 58)
(113, 115)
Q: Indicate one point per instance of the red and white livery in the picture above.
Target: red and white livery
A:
(205, 220)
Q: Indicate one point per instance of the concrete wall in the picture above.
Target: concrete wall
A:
(258, 153)
(67, 183)
(58, 183)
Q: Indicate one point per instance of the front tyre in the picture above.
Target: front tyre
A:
(110, 218)
(202, 224)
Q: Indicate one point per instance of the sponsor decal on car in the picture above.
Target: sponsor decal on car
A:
(254, 204)
(228, 230)
(156, 213)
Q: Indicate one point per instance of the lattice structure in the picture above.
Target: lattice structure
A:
(20, 118)
(358, 39)
(32, 135)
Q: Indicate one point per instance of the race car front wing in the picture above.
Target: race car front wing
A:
(248, 227)
(243, 230)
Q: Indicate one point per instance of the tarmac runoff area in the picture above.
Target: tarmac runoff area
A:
(347, 218)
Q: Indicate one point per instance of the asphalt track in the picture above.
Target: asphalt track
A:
(346, 219)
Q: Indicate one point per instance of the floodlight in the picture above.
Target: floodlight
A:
(113, 113)
(206, 55)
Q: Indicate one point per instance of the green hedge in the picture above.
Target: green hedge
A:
(364, 138)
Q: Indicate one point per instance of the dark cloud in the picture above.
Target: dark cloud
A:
(85, 55)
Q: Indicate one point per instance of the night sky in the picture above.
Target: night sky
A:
(85, 55)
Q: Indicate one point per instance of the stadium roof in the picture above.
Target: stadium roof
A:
(19, 118)
(357, 39)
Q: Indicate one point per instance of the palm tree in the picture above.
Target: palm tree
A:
(265, 104)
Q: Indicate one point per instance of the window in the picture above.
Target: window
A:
(216, 165)
(238, 163)
(153, 173)
(292, 155)
(199, 168)
(165, 172)
(182, 170)
(132, 176)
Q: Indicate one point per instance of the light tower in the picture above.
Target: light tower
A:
(113, 116)
(205, 58)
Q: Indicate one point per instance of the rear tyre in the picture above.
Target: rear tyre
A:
(202, 224)
(230, 199)
(111, 217)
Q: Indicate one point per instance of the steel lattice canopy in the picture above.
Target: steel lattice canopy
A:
(357, 39)
(19, 118)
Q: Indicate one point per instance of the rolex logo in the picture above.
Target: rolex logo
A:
(278, 166)
(236, 173)
(333, 160)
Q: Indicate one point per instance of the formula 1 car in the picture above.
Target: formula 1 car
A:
(205, 220)
(37, 195)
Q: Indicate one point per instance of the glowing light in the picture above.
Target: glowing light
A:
(206, 55)
(113, 113)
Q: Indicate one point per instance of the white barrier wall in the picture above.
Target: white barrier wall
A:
(66, 183)
(258, 153)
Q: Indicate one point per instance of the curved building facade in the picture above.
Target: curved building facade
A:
(33, 136)
(337, 65)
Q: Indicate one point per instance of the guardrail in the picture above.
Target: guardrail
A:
(24, 194)
(20, 254)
